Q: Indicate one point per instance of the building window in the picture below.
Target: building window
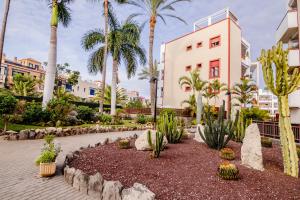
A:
(188, 68)
(77, 88)
(214, 69)
(68, 87)
(92, 92)
(83, 89)
(199, 44)
(215, 42)
(187, 89)
(188, 48)
(199, 65)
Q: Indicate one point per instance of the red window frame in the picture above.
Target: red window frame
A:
(213, 40)
(213, 64)
(199, 44)
(188, 68)
(187, 89)
(189, 48)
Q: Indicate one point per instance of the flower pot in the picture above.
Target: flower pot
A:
(47, 169)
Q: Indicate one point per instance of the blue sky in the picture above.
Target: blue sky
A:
(28, 29)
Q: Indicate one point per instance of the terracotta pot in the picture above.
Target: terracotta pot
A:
(47, 169)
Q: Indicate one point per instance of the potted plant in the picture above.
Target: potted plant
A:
(46, 159)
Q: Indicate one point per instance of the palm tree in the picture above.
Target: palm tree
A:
(123, 44)
(192, 104)
(147, 74)
(214, 88)
(60, 13)
(243, 92)
(121, 95)
(3, 29)
(154, 9)
(103, 72)
(24, 85)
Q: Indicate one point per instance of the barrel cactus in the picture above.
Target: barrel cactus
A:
(228, 171)
(285, 82)
(227, 154)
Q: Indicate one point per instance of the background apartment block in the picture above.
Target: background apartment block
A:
(288, 33)
(267, 101)
(215, 47)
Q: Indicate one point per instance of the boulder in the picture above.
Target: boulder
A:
(69, 175)
(137, 192)
(141, 143)
(24, 134)
(197, 134)
(13, 135)
(251, 152)
(95, 186)
(112, 190)
(50, 130)
(32, 135)
(80, 181)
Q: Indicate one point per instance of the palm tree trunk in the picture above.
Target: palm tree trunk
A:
(52, 57)
(101, 102)
(3, 29)
(151, 43)
(199, 107)
(114, 88)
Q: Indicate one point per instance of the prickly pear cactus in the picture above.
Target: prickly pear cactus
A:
(285, 81)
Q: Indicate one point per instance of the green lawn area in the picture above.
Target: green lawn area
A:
(18, 127)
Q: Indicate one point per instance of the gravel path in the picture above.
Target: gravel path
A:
(19, 176)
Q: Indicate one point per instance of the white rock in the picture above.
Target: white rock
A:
(197, 135)
(95, 186)
(251, 152)
(112, 190)
(141, 143)
(137, 192)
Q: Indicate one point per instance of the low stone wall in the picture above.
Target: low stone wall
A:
(98, 188)
(32, 134)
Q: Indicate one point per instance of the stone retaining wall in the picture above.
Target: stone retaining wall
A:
(32, 134)
(98, 188)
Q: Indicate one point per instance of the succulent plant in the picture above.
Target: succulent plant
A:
(266, 142)
(227, 154)
(228, 171)
(242, 124)
(168, 125)
(158, 146)
(298, 151)
(124, 144)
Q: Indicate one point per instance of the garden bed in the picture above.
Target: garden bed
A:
(189, 171)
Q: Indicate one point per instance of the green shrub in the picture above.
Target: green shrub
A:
(46, 157)
(218, 132)
(168, 125)
(167, 111)
(255, 114)
(34, 113)
(59, 109)
(228, 171)
(8, 105)
(49, 152)
(141, 119)
(105, 119)
(85, 113)
(124, 144)
(227, 154)
(266, 142)
(158, 146)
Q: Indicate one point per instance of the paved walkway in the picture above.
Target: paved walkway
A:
(19, 176)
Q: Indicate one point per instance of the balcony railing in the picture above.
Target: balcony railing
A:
(287, 27)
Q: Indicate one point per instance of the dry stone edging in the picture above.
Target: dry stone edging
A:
(98, 188)
(33, 134)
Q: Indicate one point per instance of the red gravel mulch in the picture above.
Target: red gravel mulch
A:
(188, 171)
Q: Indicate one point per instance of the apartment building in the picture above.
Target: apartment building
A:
(28, 66)
(268, 101)
(288, 33)
(215, 47)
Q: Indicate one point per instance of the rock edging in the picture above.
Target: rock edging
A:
(33, 134)
(95, 185)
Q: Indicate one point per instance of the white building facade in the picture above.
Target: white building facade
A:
(267, 101)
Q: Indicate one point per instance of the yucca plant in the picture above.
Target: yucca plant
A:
(168, 125)
(218, 132)
(158, 146)
(228, 171)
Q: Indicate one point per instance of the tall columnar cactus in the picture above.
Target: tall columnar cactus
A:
(287, 80)
(242, 124)
(158, 146)
(199, 107)
(168, 125)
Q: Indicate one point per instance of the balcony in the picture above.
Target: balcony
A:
(293, 57)
(288, 27)
(294, 99)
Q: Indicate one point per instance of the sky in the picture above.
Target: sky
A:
(28, 30)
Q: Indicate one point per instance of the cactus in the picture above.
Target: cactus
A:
(287, 80)
(158, 146)
(168, 125)
(227, 154)
(228, 171)
(266, 142)
(216, 130)
(124, 144)
(199, 107)
(242, 124)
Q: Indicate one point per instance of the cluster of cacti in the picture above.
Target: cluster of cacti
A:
(158, 146)
(218, 132)
(298, 151)
(228, 171)
(242, 124)
(266, 142)
(227, 154)
(168, 125)
(287, 80)
(124, 144)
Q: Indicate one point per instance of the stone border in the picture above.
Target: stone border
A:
(33, 134)
(96, 187)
